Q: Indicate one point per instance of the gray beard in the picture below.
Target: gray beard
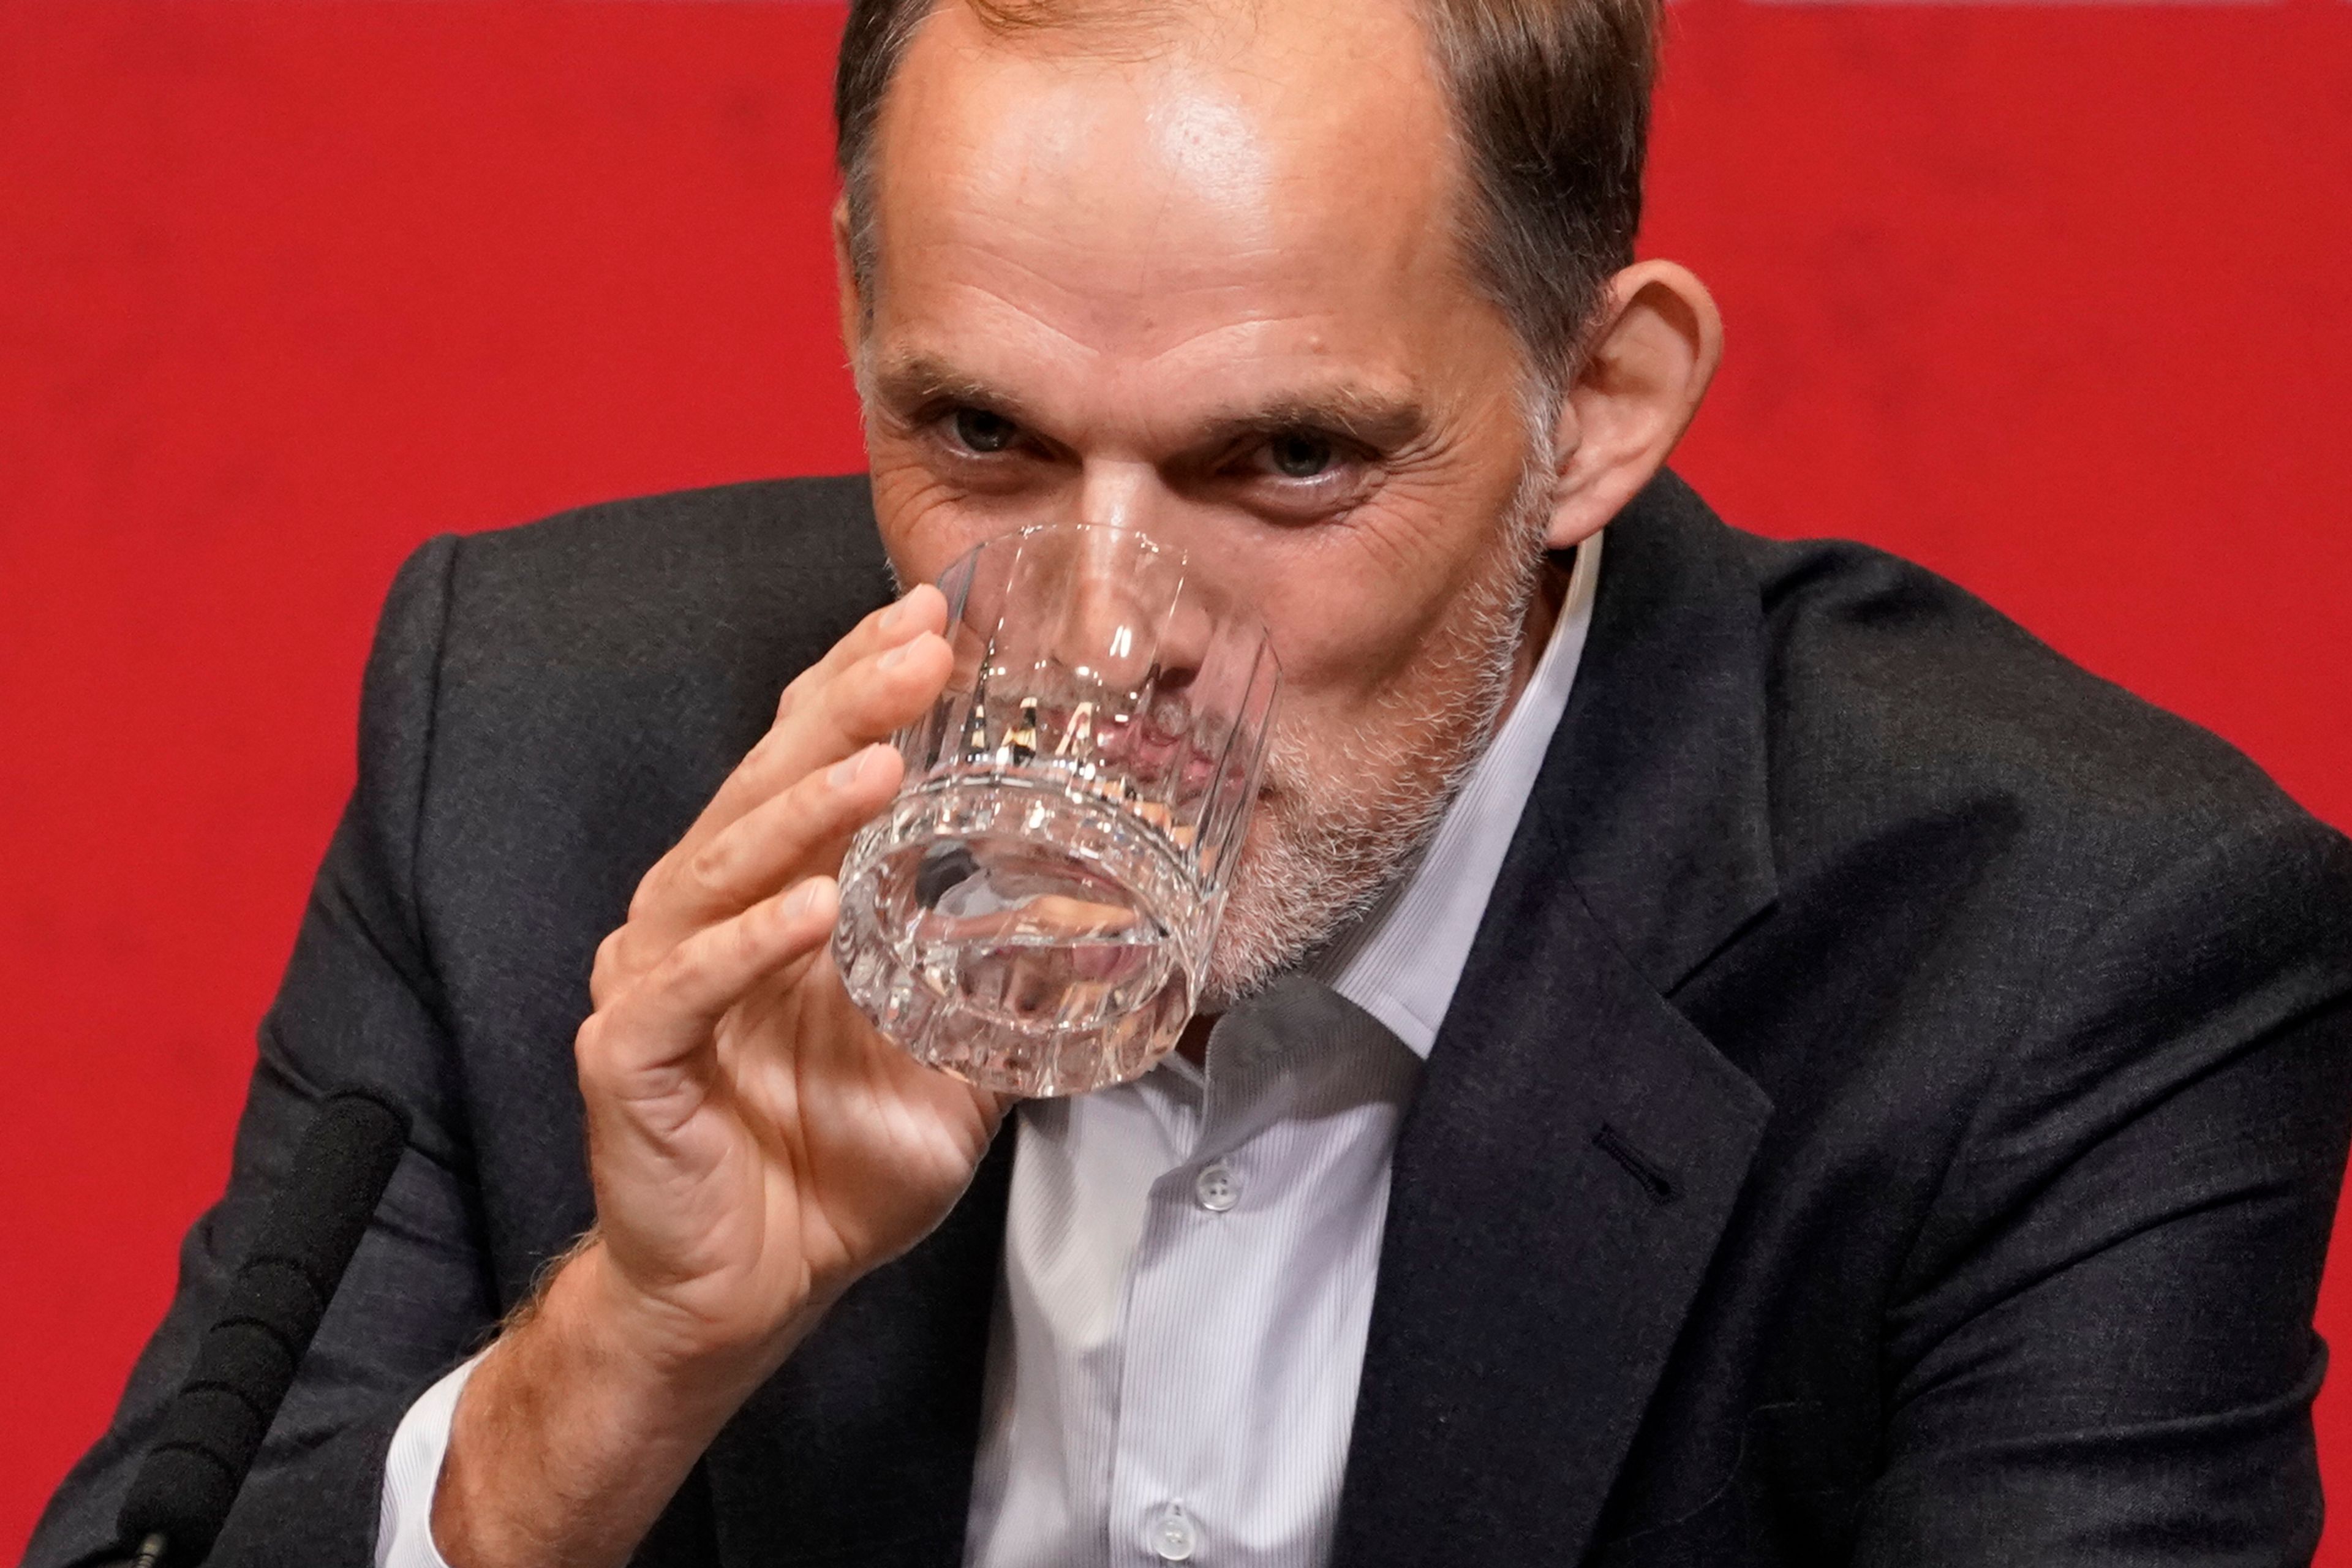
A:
(1325, 850)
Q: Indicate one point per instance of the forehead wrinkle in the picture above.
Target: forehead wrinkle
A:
(1200, 120)
(1011, 243)
(1153, 315)
(1156, 324)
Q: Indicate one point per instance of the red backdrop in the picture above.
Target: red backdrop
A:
(2049, 298)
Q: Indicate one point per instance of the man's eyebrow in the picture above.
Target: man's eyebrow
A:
(919, 380)
(1378, 420)
(1369, 419)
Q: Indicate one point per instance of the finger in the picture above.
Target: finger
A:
(862, 702)
(921, 611)
(921, 608)
(865, 701)
(893, 687)
(802, 832)
(636, 1049)
(841, 1029)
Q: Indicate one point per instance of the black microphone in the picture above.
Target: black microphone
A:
(213, 1428)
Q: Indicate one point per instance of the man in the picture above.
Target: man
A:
(1724, 1052)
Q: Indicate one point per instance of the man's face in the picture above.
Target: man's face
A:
(1210, 285)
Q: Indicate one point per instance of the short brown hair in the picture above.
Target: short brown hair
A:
(1551, 99)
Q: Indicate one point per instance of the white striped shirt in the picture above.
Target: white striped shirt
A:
(1189, 1258)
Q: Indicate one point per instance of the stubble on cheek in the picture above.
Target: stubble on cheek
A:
(1341, 815)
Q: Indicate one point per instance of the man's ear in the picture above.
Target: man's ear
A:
(1648, 367)
(845, 272)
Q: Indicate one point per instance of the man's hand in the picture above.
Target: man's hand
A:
(754, 1143)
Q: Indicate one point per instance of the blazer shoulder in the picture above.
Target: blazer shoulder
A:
(661, 600)
(599, 672)
(620, 564)
(1889, 686)
(748, 509)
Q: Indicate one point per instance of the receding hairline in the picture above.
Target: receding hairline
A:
(1546, 123)
(1143, 20)
(1115, 32)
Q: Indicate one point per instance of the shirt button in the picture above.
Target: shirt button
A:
(1217, 1189)
(1173, 1537)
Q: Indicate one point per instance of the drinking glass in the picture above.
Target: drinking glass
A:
(1032, 912)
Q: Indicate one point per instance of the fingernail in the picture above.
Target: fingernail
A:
(844, 773)
(796, 902)
(894, 617)
(893, 659)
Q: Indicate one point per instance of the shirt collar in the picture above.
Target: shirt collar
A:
(1402, 961)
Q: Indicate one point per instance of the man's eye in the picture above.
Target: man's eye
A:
(1300, 457)
(978, 430)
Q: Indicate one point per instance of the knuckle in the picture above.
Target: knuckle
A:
(746, 939)
(766, 767)
(685, 967)
(841, 702)
(589, 1052)
(811, 798)
(775, 742)
(647, 897)
(608, 972)
(712, 866)
(810, 684)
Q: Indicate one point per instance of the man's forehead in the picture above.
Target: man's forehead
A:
(1292, 137)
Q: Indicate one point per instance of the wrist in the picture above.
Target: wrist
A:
(673, 1354)
(579, 1424)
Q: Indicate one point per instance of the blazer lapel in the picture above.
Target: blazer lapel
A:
(1576, 1146)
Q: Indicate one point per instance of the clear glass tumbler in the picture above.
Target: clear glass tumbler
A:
(1033, 911)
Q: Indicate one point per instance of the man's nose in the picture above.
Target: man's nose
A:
(1117, 494)
(1147, 591)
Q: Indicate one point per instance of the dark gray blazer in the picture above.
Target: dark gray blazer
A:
(1891, 1114)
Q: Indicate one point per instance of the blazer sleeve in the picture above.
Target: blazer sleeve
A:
(358, 1003)
(2103, 1352)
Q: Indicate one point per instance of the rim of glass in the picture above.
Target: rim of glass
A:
(1014, 535)
(1235, 605)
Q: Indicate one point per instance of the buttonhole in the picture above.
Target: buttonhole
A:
(1661, 1186)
